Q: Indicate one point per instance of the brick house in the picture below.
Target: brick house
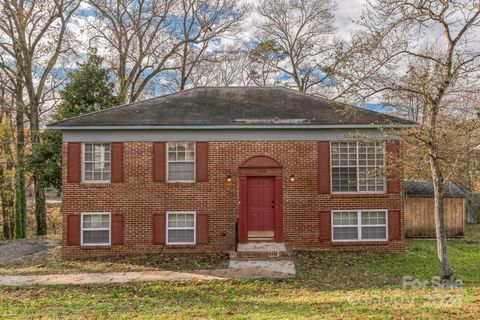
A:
(207, 168)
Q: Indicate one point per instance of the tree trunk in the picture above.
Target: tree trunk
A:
(40, 205)
(6, 196)
(442, 255)
(40, 209)
(20, 192)
(183, 67)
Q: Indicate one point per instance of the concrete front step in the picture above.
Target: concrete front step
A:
(260, 251)
(259, 255)
(261, 247)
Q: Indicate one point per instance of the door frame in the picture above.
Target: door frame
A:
(260, 166)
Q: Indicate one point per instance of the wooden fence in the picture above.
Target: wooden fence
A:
(420, 220)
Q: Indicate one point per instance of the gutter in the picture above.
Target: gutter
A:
(232, 127)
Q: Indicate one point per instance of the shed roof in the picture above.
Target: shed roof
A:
(232, 107)
(414, 188)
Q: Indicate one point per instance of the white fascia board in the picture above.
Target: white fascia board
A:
(227, 135)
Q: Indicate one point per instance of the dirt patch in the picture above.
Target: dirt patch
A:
(51, 262)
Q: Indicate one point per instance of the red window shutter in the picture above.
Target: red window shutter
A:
(159, 162)
(324, 167)
(117, 229)
(117, 161)
(325, 226)
(202, 228)
(394, 225)
(201, 159)
(393, 170)
(74, 167)
(73, 230)
(159, 228)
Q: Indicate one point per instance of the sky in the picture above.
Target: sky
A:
(348, 10)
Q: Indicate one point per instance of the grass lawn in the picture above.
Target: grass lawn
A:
(328, 285)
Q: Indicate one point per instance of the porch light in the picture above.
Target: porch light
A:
(229, 178)
(292, 178)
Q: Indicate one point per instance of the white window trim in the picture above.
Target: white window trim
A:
(194, 162)
(358, 172)
(359, 225)
(173, 228)
(83, 163)
(98, 229)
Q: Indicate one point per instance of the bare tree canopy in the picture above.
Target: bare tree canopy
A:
(202, 23)
(135, 36)
(294, 35)
(227, 66)
(147, 38)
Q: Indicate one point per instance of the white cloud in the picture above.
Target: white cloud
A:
(347, 12)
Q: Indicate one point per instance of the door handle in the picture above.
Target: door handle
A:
(273, 203)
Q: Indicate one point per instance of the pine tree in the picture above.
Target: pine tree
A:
(88, 90)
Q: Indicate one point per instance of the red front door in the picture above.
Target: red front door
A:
(261, 207)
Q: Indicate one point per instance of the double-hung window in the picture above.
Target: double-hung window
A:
(365, 225)
(96, 162)
(181, 161)
(358, 166)
(95, 228)
(181, 228)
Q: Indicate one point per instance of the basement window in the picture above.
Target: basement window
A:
(181, 228)
(365, 225)
(95, 228)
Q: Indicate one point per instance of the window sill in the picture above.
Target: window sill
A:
(180, 184)
(95, 184)
(359, 243)
(359, 195)
(179, 246)
(99, 246)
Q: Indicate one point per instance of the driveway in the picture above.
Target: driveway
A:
(16, 249)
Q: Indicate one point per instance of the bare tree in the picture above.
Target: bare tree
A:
(151, 39)
(297, 33)
(263, 60)
(426, 52)
(205, 22)
(228, 67)
(34, 35)
(138, 38)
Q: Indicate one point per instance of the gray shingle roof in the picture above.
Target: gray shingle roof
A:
(425, 189)
(232, 106)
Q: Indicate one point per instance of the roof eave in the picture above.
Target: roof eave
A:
(230, 127)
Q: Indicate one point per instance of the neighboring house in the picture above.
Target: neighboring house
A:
(419, 209)
(185, 171)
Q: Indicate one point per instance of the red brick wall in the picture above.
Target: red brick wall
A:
(138, 198)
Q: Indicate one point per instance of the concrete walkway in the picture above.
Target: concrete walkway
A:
(97, 278)
(239, 271)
